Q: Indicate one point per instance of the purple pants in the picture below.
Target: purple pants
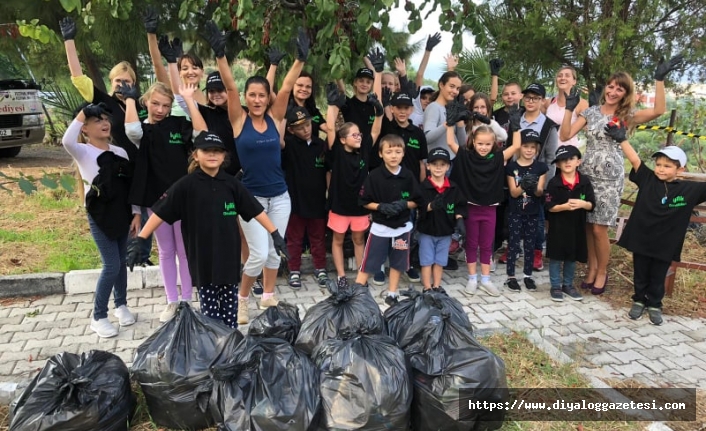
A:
(170, 245)
(480, 232)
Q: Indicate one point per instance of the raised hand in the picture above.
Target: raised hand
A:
(215, 37)
(151, 19)
(377, 59)
(411, 89)
(515, 116)
(166, 49)
(386, 96)
(432, 41)
(275, 56)
(451, 61)
(456, 111)
(68, 28)
(572, 99)
(128, 91)
(495, 65)
(303, 44)
(617, 131)
(187, 90)
(373, 100)
(95, 110)
(334, 96)
(482, 118)
(400, 66)
(664, 68)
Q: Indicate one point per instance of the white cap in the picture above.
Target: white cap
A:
(673, 152)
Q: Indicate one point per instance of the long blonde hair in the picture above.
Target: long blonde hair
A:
(158, 87)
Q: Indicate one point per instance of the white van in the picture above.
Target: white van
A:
(21, 117)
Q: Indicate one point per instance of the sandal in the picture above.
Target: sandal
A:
(295, 281)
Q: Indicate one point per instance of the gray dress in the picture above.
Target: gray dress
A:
(603, 165)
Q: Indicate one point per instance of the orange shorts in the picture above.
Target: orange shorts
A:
(340, 223)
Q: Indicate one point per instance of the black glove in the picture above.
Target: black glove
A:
(616, 131)
(95, 110)
(432, 41)
(438, 203)
(275, 56)
(400, 205)
(373, 100)
(515, 116)
(178, 47)
(303, 44)
(279, 244)
(411, 89)
(529, 183)
(594, 97)
(387, 209)
(664, 68)
(128, 91)
(495, 65)
(460, 227)
(215, 37)
(167, 49)
(68, 28)
(377, 58)
(151, 19)
(334, 96)
(480, 117)
(134, 251)
(386, 96)
(572, 100)
(456, 111)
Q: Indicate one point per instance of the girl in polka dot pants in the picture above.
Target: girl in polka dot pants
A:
(220, 303)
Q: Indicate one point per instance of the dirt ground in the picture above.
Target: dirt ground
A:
(35, 158)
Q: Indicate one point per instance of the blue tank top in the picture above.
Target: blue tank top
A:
(260, 156)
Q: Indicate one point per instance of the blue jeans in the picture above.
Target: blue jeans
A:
(559, 278)
(114, 273)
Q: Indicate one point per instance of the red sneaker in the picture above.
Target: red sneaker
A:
(503, 258)
(538, 264)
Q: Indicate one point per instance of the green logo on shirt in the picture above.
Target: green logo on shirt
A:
(677, 202)
(175, 138)
(582, 196)
(319, 162)
(371, 120)
(316, 119)
(413, 143)
(490, 156)
(450, 208)
(229, 209)
(405, 195)
(362, 164)
(142, 114)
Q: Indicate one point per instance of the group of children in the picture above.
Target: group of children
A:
(387, 172)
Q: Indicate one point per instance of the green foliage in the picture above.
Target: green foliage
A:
(28, 183)
(474, 68)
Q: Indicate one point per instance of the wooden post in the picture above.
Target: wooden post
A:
(672, 122)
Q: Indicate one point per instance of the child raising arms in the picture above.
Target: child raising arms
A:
(207, 201)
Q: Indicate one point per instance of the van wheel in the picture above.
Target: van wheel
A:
(9, 152)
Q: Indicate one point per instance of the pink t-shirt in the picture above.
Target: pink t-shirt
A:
(556, 114)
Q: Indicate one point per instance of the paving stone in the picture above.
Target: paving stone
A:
(10, 321)
(675, 338)
(698, 335)
(23, 311)
(49, 300)
(34, 335)
(655, 366)
(40, 318)
(6, 367)
(650, 340)
(603, 358)
(625, 344)
(655, 352)
(593, 325)
(88, 338)
(642, 327)
(691, 324)
(627, 356)
(86, 298)
(5, 337)
(27, 369)
(620, 333)
(48, 352)
(628, 370)
(596, 336)
(489, 308)
(79, 314)
(20, 355)
(492, 326)
(518, 325)
(700, 346)
(57, 308)
(495, 316)
(681, 350)
(38, 344)
(567, 319)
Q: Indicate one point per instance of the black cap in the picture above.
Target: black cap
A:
(401, 99)
(207, 140)
(438, 154)
(529, 135)
(536, 89)
(214, 82)
(566, 152)
(426, 89)
(364, 72)
(297, 115)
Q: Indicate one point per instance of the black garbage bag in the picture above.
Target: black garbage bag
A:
(351, 309)
(281, 322)
(365, 383)
(76, 393)
(172, 368)
(408, 318)
(267, 385)
(450, 368)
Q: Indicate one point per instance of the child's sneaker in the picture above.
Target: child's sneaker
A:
(439, 289)
(269, 302)
(538, 264)
(321, 277)
(103, 328)
(168, 312)
(243, 313)
(295, 280)
(379, 278)
(530, 284)
(556, 294)
(493, 265)
(257, 289)
(391, 300)
(489, 288)
(513, 285)
(572, 293)
(503, 257)
(655, 315)
(636, 311)
(471, 287)
(412, 275)
(125, 317)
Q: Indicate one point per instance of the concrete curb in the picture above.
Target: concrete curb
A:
(43, 283)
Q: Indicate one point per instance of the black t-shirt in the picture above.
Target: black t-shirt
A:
(162, 159)
(382, 186)
(524, 204)
(348, 172)
(217, 121)
(440, 222)
(208, 208)
(415, 145)
(503, 119)
(657, 226)
(362, 114)
(305, 172)
(566, 239)
(117, 129)
(480, 178)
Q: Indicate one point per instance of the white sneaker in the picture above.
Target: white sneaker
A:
(243, 317)
(489, 288)
(103, 328)
(493, 265)
(471, 287)
(125, 317)
(169, 312)
(267, 303)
